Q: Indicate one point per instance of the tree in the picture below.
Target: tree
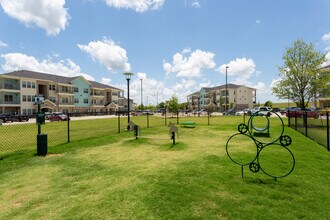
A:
(301, 80)
(173, 104)
(161, 105)
(183, 106)
(268, 104)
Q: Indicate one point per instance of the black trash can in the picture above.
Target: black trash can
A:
(42, 145)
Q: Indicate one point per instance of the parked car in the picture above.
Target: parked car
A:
(7, 118)
(57, 117)
(229, 112)
(21, 118)
(276, 109)
(148, 112)
(258, 109)
(324, 111)
(243, 112)
(298, 113)
(262, 111)
(136, 113)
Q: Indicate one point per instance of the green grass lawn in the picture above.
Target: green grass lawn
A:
(118, 177)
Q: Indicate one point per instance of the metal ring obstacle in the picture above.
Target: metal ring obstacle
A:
(254, 162)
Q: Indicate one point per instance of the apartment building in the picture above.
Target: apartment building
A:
(324, 101)
(61, 94)
(239, 97)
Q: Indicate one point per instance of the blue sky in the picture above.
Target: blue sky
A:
(174, 46)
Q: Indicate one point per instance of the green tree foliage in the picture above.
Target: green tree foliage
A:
(301, 80)
(183, 106)
(140, 107)
(161, 105)
(173, 104)
(269, 104)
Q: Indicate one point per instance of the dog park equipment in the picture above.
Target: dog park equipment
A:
(188, 124)
(259, 131)
(42, 143)
(133, 127)
(173, 130)
(274, 147)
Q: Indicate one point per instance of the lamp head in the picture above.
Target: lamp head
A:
(128, 75)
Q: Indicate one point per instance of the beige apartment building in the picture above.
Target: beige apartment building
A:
(61, 94)
(239, 97)
(324, 101)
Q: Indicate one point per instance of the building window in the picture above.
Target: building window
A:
(76, 89)
(28, 84)
(24, 84)
(29, 98)
(52, 99)
(9, 98)
(24, 98)
(33, 85)
(85, 90)
(65, 100)
(52, 87)
(24, 111)
(76, 100)
(86, 101)
(65, 89)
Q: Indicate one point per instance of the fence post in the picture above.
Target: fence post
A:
(305, 122)
(295, 120)
(118, 122)
(165, 117)
(328, 134)
(68, 118)
(147, 119)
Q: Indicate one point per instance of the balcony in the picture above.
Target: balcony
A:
(96, 94)
(10, 84)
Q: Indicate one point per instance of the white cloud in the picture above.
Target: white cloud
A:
(326, 40)
(47, 14)
(191, 66)
(205, 84)
(2, 44)
(326, 37)
(258, 21)
(186, 50)
(107, 53)
(151, 88)
(328, 59)
(19, 61)
(137, 5)
(193, 3)
(154, 91)
(240, 68)
(184, 85)
(105, 81)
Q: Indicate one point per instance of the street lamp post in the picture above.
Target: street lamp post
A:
(141, 96)
(128, 77)
(226, 98)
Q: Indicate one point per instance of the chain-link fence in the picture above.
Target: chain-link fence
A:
(20, 137)
(316, 128)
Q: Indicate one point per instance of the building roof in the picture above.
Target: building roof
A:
(326, 67)
(229, 86)
(54, 78)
